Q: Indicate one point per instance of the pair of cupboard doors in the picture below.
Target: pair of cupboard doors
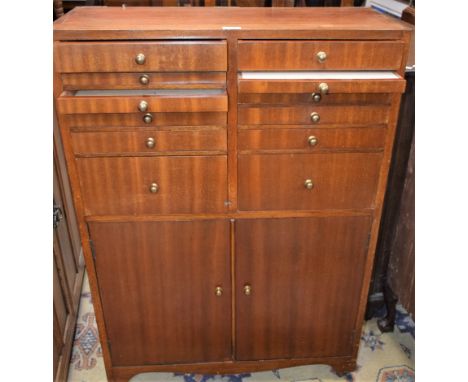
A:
(230, 289)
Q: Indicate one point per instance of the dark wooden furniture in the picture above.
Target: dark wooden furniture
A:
(68, 265)
(228, 169)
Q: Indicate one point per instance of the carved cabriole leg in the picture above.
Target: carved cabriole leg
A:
(343, 368)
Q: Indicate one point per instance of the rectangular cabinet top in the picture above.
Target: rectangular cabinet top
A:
(107, 23)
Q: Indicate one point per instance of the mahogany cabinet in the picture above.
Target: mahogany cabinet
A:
(228, 169)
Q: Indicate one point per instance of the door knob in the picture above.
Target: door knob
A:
(154, 188)
(321, 56)
(143, 106)
(150, 142)
(147, 118)
(309, 184)
(312, 140)
(247, 290)
(323, 88)
(314, 117)
(140, 59)
(144, 79)
(218, 291)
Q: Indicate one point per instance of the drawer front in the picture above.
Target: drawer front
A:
(149, 80)
(122, 186)
(303, 115)
(303, 55)
(161, 120)
(157, 104)
(148, 141)
(162, 56)
(314, 98)
(313, 140)
(278, 182)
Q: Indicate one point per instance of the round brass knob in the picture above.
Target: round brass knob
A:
(218, 291)
(316, 97)
(314, 117)
(323, 88)
(154, 188)
(312, 140)
(321, 56)
(144, 79)
(309, 184)
(140, 59)
(143, 106)
(147, 118)
(150, 142)
(247, 290)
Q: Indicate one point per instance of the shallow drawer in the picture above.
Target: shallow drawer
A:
(149, 80)
(313, 140)
(158, 56)
(304, 55)
(337, 181)
(313, 115)
(169, 101)
(148, 142)
(314, 99)
(162, 120)
(180, 185)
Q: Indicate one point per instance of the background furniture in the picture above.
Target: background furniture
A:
(68, 265)
(228, 205)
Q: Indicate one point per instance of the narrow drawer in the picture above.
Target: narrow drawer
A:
(129, 120)
(148, 80)
(148, 142)
(314, 98)
(312, 140)
(170, 101)
(278, 181)
(157, 56)
(335, 55)
(313, 115)
(122, 186)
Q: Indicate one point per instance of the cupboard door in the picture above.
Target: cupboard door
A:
(158, 285)
(305, 277)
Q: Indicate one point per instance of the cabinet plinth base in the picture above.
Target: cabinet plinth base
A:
(340, 365)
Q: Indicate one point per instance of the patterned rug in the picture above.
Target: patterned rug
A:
(387, 357)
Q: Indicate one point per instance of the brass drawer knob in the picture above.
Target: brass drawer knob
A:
(321, 56)
(309, 184)
(323, 88)
(147, 118)
(247, 290)
(154, 188)
(312, 140)
(143, 106)
(150, 142)
(140, 59)
(314, 117)
(218, 291)
(316, 97)
(144, 79)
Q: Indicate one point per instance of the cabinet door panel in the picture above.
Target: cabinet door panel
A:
(157, 282)
(305, 276)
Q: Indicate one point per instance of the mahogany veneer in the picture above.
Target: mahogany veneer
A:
(228, 222)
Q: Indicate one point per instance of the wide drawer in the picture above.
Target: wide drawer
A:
(158, 56)
(148, 80)
(304, 55)
(335, 181)
(313, 115)
(153, 185)
(312, 140)
(148, 141)
(169, 101)
(162, 120)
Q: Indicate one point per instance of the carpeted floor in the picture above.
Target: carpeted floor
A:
(385, 357)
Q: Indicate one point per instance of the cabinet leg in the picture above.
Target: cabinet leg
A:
(344, 368)
(387, 323)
